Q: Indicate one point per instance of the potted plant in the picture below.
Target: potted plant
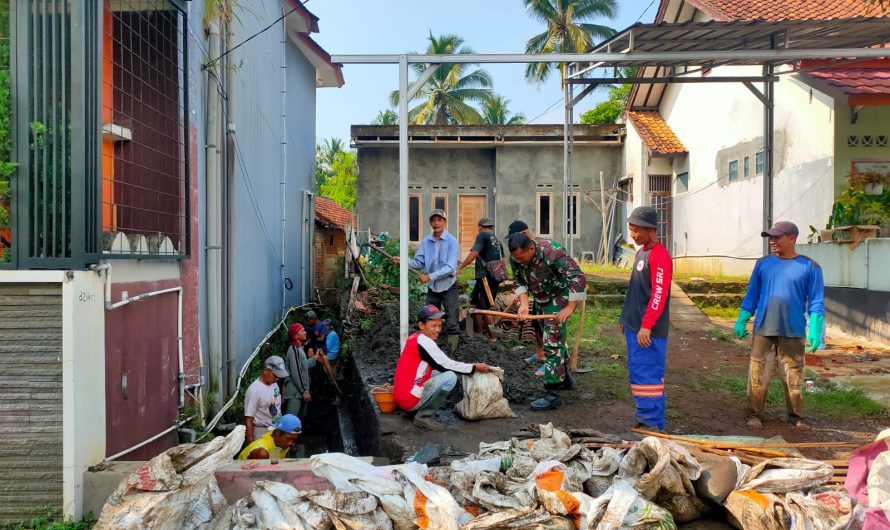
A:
(871, 181)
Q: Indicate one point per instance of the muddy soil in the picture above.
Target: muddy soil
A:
(601, 399)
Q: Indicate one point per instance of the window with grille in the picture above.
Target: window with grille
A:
(734, 171)
(544, 215)
(574, 217)
(759, 162)
(440, 202)
(414, 218)
(144, 128)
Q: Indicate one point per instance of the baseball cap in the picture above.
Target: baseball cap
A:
(311, 314)
(289, 424)
(440, 212)
(517, 226)
(486, 222)
(276, 364)
(645, 216)
(430, 312)
(781, 228)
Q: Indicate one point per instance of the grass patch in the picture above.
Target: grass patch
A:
(52, 520)
(827, 398)
(720, 334)
(720, 312)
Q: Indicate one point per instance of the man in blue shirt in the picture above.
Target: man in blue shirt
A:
(437, 256)
(328, 340)
(783, 289)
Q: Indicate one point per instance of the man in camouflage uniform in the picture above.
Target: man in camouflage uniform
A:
(557, 284)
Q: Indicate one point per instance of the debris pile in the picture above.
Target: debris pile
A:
(552, 480)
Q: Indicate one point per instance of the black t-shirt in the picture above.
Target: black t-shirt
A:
(489, 249)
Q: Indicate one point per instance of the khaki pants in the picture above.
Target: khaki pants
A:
(768, 353)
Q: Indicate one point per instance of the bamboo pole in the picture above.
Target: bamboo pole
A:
(573, 364)
(510, 316)
(721, 445)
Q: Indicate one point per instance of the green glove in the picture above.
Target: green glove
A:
(814, 336)
(741, 323)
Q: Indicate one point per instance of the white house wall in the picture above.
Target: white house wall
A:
(719, 123)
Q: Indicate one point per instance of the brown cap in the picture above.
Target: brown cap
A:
(440, 212)
(486, 222)
(781, 228)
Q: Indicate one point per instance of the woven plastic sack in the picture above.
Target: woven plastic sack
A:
(176, 489)
(484, 397)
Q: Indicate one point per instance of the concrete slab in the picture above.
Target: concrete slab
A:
(99, 485)
(685, 316)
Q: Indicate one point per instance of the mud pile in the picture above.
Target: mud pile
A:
(377, 352)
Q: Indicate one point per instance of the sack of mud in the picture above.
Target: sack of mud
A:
(779, 475)
(176, 489)
(484, 397)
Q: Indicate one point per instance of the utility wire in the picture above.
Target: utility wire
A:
(258, 33)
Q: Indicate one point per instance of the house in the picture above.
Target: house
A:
(504, 172)
(332, 221)
(695, 150)
(159, 223)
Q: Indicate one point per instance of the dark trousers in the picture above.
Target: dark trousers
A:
(448, 302)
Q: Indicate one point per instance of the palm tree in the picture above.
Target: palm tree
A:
(569, 30)
(386, 117)
(495, 112)
(447, 96)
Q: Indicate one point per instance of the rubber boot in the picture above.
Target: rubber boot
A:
(426, 418)
(550, 400)
(568, 383)
(452, 343)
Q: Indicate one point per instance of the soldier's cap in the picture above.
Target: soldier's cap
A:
(781, 228)
(517, 226)
(440, 212)
(644, 216)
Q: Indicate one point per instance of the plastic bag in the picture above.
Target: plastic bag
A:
(484, 397)
(663, 473)
(779, 475)
(348, 473)
(176, 489)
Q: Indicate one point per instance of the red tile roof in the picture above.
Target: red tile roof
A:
(329, 213)
(788, 9)
(656, 133)
(867, 77)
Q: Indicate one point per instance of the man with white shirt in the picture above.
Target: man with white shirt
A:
(437, 256)
(425, 375)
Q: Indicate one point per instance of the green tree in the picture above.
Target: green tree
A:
(569, 30)
(7, 168)
(447, 97)
(386, 117)
(340, 186)
(495, 111)
(609, 110)
(325, 153)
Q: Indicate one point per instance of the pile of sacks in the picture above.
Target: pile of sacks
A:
(543, 483)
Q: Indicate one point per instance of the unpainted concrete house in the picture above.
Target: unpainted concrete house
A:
(504, 172)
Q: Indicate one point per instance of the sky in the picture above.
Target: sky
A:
(398, 26)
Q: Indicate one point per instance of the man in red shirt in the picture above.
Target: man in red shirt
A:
(644, 318)
(425, 375)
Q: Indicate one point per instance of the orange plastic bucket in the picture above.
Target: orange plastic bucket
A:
(384, 398)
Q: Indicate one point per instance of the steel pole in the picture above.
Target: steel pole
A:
(768, 114)
(403, 199)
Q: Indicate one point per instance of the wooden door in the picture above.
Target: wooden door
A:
(471, 208)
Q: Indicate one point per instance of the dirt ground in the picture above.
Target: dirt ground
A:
(601, 399)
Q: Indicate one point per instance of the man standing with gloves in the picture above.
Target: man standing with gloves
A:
(437, 257)
(783, 289)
